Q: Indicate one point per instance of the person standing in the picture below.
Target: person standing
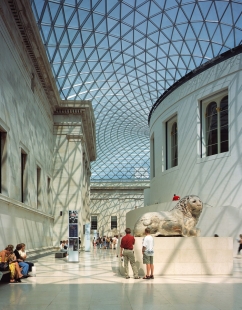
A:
(148, 254)
(240, 243)
(126, 250)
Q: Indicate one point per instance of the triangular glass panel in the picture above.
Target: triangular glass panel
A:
(64, 40)
(154, 9)
(46, 31)
(63, 51)
(217, 36)
(101, 7)
(53, 8)
(216, 49)
(90, 42)
(82, 15)
(96, 19)
(151, 28)
(104, 43)
(69, 57)
(230, 40)
(172, 14)
(144, 8)
(52, 39)
(39, 6)
(129, 36)
(238, 36)
(57, 57)
(178, 45)
(181, 17)
(124, 29)
(187, 10)
(142, 43)
(212, 14)
(176, 35)
(197, 51)
(58, 32)
(197, 27)
(116, 30)
(117, 46)
(226, 30)
(116, 12)
(209, 52)
(46, 17)
(111, 23)
(68, 12)
(196, 16)
(125, 9)
(204, 34)
(165, 22)
(205, 6)
(88, 23)
(137, 35)
(204, 46)
(189, 33)
(168, 32)
(71, 35)
(94, 56)
(149, 44)
(221, 11)
(129, 19)
(236, 9)
(211, 27)
(88, 51)
(170, 4)
(239, 22)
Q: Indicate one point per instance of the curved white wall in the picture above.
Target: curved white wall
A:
(215, 179)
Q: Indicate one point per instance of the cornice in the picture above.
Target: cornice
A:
(17, 14)
(23, 206)
(85, 110)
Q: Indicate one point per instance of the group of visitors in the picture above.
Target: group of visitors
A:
(15, 262)
(126, 251)
(105, 242)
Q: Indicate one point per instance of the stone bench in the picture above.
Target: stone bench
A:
(60, 254)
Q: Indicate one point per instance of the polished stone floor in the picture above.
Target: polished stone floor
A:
(94, 284)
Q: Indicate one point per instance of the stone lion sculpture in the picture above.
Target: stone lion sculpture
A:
(180, 221)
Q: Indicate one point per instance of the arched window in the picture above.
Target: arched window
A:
(216, 125)
(174, 152)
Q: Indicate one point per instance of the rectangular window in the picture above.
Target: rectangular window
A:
(23, 176)
(171, 143)
(152, 156)
(114, 222)
(215, 125)
(3, 162)
(38, 188)
(94, 222)
(49, 195)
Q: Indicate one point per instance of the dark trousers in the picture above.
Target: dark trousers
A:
(240, 248)
(30, 265)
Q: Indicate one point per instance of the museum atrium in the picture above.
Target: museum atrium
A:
(109, 108)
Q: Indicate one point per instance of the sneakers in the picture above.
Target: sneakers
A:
(127, 277)
(137, 278)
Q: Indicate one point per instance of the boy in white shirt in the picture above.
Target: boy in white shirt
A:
(148, 253)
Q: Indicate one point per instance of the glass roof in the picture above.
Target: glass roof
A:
(122, 55)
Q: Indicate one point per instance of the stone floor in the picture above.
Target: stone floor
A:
(94, 283)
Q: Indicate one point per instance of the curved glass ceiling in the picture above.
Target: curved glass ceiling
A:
(122, 55)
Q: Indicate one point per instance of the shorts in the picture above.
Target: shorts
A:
(147, 259)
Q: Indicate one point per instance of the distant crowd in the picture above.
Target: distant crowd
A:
(105, 242)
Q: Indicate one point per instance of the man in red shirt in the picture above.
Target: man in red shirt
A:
(176, 197)
(126, 250)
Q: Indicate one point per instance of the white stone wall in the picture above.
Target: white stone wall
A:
(215, 179)
(26, 117)
(115, 199)
(71, 177)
